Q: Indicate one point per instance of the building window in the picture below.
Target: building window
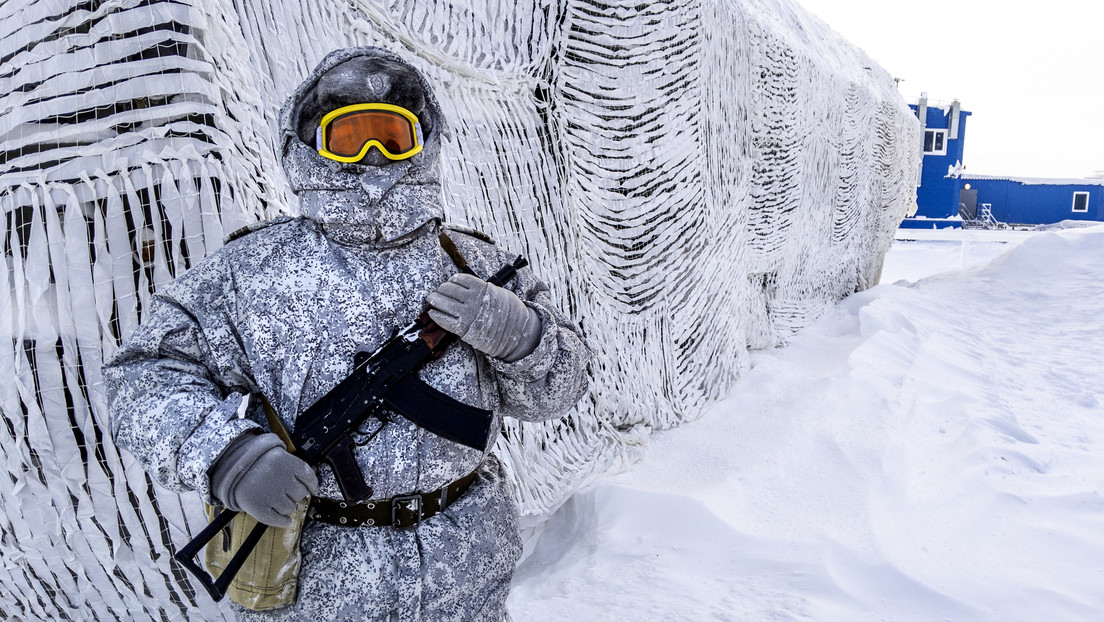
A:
(935, 142)
(1080, 201)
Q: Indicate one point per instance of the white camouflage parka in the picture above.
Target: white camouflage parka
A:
(281, 312)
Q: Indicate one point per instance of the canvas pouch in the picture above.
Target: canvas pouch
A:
(270, 576)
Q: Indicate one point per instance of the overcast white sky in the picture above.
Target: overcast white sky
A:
(1031, 72)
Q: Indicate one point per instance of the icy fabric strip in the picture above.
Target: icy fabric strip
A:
(115, 21)
(154, 87)
(80, 69)
(153, 239)
(207, 208)
(102, 284)
(37, 20)
(174, 209)
(111, 152)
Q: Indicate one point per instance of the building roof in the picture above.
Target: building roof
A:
(1042, 181)
(940, 105)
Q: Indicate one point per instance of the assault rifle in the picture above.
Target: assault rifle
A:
(324, 431)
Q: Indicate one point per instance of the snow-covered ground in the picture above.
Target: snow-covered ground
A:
(931, 449)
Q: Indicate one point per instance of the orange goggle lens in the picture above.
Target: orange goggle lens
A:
(346, 134)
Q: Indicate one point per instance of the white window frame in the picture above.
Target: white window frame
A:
(936, 131)
(1087, 197)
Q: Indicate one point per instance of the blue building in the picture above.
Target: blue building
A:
(946, 197)
(943, 129)
(1028, 201)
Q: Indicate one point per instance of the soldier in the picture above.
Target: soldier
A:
(281, 313)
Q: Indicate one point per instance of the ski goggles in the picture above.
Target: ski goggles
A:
(346, 134)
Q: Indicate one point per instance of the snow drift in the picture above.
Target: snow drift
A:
(925, 451)
(692, 178)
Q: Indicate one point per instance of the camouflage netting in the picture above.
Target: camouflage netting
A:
(692, 178)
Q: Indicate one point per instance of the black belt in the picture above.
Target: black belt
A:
(401, 512)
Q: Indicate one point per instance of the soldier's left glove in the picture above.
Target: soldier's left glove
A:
(489, 318)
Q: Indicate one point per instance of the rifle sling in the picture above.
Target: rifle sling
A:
(276, 424)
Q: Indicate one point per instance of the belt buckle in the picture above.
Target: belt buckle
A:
(406, 506)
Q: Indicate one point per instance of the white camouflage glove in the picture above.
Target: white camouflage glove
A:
(255, 474)
(489, 318)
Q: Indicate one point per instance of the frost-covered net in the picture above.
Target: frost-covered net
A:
(692, 179)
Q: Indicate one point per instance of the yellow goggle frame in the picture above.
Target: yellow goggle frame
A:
(322, 133)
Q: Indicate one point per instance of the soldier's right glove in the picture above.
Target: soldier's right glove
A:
(255, 474)
(487, 317)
